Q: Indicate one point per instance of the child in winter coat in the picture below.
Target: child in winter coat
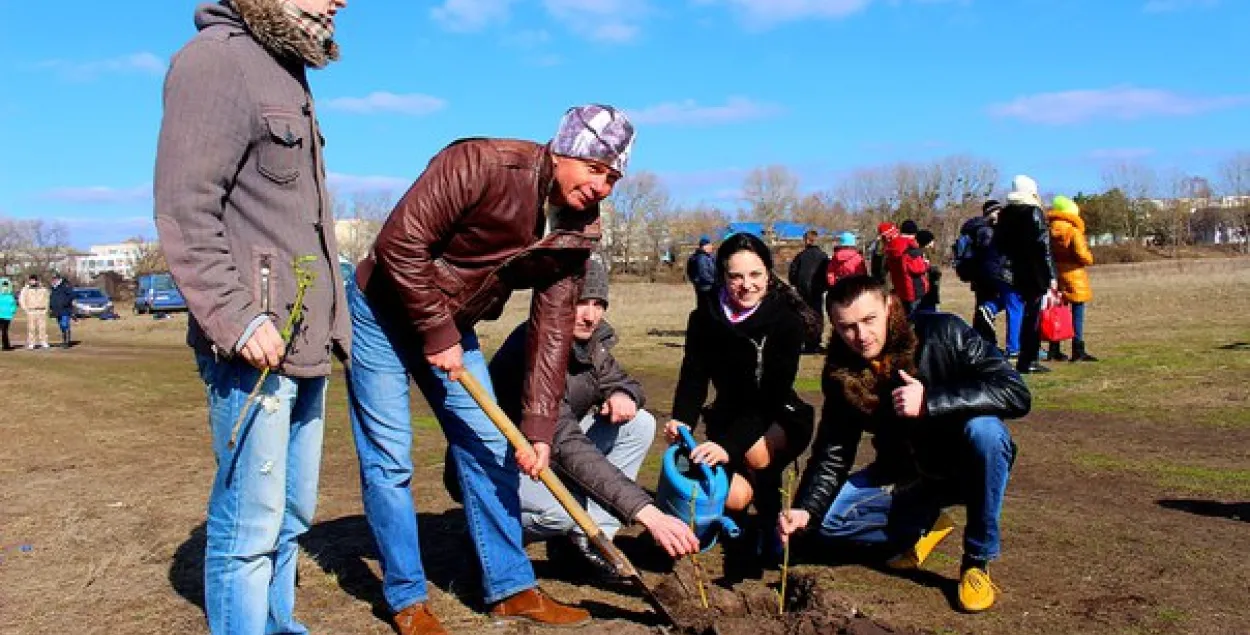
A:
(846, 261)
(1071, 253)
(909, 271)
(933, 297)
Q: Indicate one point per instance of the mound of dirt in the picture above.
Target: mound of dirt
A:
(750, 608)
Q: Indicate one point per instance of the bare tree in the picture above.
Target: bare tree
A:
(636, 201)
(358, 220)
(33, 246)
(1138, 183)
(1234, 179)
(689, 224)
(12, 246)
(149, 258)
(771, 194)
(823, 210)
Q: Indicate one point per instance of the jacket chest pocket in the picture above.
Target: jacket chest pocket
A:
(283, 149)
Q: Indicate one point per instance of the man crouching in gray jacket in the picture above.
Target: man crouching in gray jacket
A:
(601, 439)
(240, 198)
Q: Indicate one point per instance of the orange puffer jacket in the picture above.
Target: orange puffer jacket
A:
(1071, 253)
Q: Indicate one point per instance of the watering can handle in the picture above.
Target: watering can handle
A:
(688, 441)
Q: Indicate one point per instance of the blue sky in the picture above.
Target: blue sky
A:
(1053, 88)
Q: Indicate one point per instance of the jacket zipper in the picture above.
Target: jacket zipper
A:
(266, 269)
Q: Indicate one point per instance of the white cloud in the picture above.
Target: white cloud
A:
(610, 21)
(1119, 102)
(389, 103)
(144, 63)
(1169, 6)
(470, 15)
(689, 112)
(99, 195)
(769, 12)
(354, 184)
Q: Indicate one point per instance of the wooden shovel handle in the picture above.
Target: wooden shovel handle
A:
(548, 477)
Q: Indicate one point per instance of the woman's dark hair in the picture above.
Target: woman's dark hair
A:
(743, 241)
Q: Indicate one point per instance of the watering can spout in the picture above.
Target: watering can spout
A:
(730, 528)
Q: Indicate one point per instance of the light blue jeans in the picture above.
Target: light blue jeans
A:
(264, 495)
(625, 447)
(383, 359)
(870, 511)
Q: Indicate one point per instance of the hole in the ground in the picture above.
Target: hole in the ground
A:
(751, 608)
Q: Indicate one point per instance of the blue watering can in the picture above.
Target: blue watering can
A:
(676, 488)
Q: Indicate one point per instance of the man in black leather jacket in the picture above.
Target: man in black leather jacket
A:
(934, 396)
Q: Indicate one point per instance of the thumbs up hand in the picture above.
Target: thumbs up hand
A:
(909, 398)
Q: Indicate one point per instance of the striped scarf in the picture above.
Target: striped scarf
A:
(319, 28)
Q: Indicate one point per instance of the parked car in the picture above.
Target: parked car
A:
(157, 293)
(91, 302)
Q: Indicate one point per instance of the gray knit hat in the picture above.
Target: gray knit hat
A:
(595, 286)
(595, 132)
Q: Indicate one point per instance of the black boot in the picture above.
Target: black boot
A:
(1056, 353)
(1079, 353)
(65, 338)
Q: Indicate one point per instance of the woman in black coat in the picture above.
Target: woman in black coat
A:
(746, 344)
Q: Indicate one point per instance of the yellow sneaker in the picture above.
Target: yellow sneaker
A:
(976, 590)
(914, 557)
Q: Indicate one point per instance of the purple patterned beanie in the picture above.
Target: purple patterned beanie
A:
(595, 132)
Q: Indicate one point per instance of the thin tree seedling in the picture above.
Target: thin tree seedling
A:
(304, 280)
(694, 557)
(787, 494)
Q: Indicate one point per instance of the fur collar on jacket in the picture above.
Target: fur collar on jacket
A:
(866, 385)
(279, 33)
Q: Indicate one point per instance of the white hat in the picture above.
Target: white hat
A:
(1024, 190)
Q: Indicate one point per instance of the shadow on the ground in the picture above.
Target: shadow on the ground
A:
(1231, 511)
(343, 548)
(186, 572)
(1235, 346)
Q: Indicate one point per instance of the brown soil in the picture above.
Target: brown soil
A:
(751, 608)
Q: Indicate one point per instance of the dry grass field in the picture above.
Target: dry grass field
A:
(1127, 512)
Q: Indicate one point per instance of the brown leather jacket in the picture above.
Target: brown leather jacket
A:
(471, 230)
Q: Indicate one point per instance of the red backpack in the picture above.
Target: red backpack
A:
(846, 262)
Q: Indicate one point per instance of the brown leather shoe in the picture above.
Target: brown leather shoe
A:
(417, 620)
(535, 606)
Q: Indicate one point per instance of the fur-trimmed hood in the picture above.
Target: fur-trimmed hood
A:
(266, 21)
(866, 384)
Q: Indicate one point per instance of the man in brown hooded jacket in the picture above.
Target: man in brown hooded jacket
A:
(240, 199)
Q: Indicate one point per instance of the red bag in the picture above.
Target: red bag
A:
(1056, 323)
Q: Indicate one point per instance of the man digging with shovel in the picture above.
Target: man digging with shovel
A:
(488, 216)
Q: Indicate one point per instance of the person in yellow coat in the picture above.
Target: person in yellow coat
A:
(1072, 256)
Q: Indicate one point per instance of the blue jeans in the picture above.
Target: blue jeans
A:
(264, 495)
(625, 446)
(1013, 303)
(1078, 320)
(383, 359)
(871, 510)
(64, 321)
